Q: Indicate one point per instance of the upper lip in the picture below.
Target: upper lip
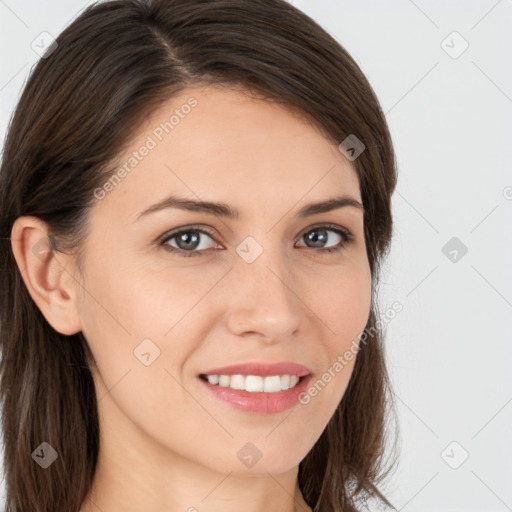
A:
(261, 368)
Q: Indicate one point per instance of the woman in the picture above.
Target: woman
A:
(197, 197)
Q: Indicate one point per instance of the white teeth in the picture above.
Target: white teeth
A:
(272, 384)
(255, 383)
(237, 382)
(224, 381)
(213, 379)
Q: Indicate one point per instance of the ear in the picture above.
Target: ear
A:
(48, 274)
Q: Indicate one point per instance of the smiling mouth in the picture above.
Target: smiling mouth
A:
(254, 383)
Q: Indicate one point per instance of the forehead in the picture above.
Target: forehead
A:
(224, 145)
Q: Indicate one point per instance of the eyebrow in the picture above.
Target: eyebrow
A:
(220, 209)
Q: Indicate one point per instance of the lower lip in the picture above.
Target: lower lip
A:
(260, 402)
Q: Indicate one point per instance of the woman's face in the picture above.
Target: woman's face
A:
(260, 287)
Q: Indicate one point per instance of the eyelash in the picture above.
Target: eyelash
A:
(343, 232)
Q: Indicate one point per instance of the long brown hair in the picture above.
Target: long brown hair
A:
(117, 62)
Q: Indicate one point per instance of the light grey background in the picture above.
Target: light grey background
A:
(450, 115)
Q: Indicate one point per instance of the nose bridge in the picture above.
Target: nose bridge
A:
(264, 301)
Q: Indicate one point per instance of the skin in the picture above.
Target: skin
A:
(166, 442)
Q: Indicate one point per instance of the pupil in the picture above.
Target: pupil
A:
(322, 238)
(190, 242)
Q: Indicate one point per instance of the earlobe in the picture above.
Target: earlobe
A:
(47, 274)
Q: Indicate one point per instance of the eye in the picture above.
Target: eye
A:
(192, 241)
(189, 242)
(320, 235)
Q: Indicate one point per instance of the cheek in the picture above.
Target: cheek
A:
(136, 326)
(127, 304)
(158, 296)
(342, 300)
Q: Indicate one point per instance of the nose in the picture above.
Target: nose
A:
(263, 300)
